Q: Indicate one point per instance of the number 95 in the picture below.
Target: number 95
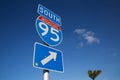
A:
(44, 27)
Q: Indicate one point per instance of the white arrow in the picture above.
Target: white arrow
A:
(52, 55)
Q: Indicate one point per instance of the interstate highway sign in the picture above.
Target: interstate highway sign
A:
(48, 31)
(49, 14)
(47, 58)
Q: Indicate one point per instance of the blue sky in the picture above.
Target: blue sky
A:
(91, 40)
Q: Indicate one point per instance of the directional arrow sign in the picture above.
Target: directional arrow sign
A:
(52, 55)
(47, 58)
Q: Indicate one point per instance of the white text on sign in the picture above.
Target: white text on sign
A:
(45, 29)
(49, 14)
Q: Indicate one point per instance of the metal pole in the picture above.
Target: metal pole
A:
(45, 74)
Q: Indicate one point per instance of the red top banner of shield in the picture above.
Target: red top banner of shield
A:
(49, 22)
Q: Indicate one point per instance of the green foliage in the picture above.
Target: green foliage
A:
(94, 74)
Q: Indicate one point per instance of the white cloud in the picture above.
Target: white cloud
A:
(91, 39)
(79, 31)
(89, 36)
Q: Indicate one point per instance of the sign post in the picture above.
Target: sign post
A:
(45, 74)
(48, 27)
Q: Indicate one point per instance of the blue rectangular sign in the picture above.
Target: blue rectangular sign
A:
(47, 58)
(49, 14)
